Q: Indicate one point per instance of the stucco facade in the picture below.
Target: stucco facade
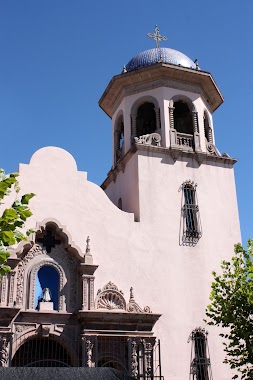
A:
(162, 245)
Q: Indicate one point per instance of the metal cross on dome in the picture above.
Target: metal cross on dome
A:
(157, 37)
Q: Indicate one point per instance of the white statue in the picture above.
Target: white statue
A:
(46, 295)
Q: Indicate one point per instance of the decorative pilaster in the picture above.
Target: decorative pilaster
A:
(4, 350)
(85, 292)
(173, 132)
(134, 124)
(92, 302)
(11, 287)
(148, 353)
(195, 121)
(171, 115)
(3, 290)
(134, 360)
(196, 131)
(210, 135)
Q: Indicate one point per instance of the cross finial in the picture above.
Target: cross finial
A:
(157, 37)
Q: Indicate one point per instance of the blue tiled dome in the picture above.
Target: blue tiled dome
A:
(165, 55)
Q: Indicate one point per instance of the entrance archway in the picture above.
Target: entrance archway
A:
(41, 352)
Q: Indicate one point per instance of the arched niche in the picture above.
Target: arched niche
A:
(183, 109)
(35, 284)
(145, 115)
(47, 277)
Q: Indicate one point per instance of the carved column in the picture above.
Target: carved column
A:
(195, 121)
(148, 357)
(3, 290)
(85, 292)
(171, 115)
(92, 303)
(134, 360)
(173, 132)
(196, 131)
(88, 292)
(210, 135)
(5, 340)
(89, 346)
(11, 287)
(134, 124)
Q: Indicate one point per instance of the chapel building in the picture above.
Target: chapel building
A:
(162, 220)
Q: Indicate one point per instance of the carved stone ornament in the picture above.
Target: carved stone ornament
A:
(20, 328)
(133, 307)
(148, 348)
(110, 298)
(150, 139)
(4, 350)
(134, 360)
(89, 348)
(211, 149)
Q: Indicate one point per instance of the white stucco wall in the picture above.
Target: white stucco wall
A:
(172, 279)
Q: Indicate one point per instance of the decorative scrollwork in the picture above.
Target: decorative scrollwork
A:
(133, 307)
(150, 139)
(211, 149)
(4, 350)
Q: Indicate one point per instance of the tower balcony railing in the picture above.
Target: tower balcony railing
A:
(185, 140)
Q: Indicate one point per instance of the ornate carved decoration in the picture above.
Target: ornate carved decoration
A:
(211, 149)
(148, 349)
(36, 250)
(89, 348)
(110, 298)
(45, 330)
(134, 360)
(3, 289)
(133, 307)
(4, 350)
(150, 139)
(20, 328)
(11, 294)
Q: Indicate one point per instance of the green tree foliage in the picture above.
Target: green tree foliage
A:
(232, 307)
(12, 219)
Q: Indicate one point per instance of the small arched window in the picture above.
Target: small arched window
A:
(146, 119)
(190, 212)
(47, 277)
(183, 121)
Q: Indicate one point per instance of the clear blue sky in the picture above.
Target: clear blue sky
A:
(57, 57)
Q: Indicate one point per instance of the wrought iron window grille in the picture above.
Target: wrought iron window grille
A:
(190, 230)
(200, 365)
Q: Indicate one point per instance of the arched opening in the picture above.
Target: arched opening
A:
(41, 352)
(207, 128)
(183, 121)
(47, 277)
(119, 138)
(146, 119)
(110, 362)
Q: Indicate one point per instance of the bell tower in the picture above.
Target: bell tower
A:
(161, 104)
(168, 171)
